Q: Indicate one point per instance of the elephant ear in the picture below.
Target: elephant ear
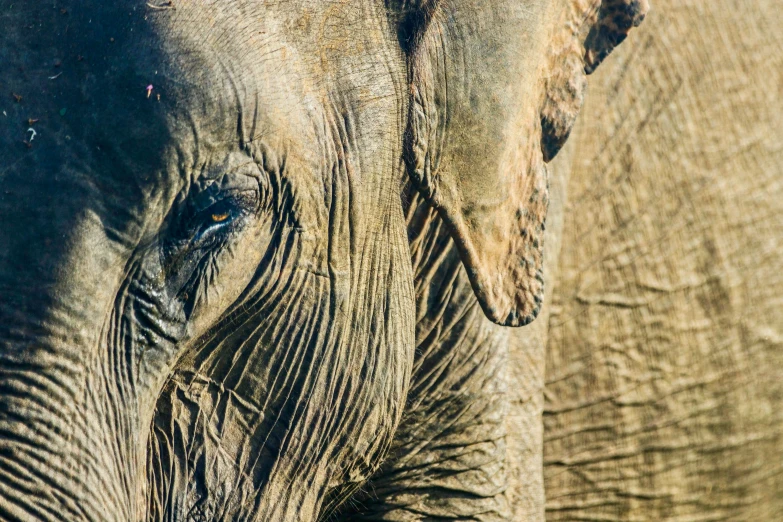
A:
(585, 41)
(490, 104)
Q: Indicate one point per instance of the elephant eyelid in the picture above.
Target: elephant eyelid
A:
(222, 215)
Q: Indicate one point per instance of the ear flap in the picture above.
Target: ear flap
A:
(604, 30)
(478, 74)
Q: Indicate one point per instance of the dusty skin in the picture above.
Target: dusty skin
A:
(259, 260)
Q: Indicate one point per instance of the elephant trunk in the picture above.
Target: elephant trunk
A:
(59, 460)
(66, 430)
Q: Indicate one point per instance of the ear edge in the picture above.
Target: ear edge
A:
(506, 302)
(506, 276)
(564, 92)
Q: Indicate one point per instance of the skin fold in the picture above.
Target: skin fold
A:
(249, 251)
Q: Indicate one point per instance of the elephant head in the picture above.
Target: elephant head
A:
(207, 307)
(206, 292)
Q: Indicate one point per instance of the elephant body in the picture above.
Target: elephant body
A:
(663, 349)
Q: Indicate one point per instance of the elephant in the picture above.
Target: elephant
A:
(261, 260)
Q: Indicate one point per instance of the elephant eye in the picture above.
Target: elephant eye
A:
(220, 216)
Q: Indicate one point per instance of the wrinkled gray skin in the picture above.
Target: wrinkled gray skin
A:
(209, 309)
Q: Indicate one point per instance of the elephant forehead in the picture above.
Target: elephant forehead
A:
(289, 75)
(289, 61)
